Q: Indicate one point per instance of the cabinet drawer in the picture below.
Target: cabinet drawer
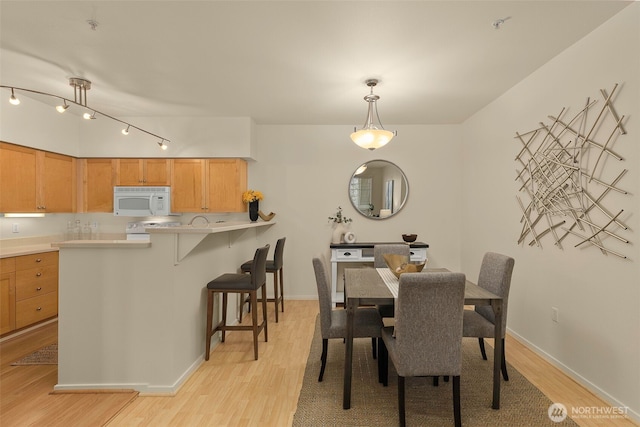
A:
(7, 265)
(36, 281)
(35, 309)
(30, 261)
(346, 254)
(418, 254)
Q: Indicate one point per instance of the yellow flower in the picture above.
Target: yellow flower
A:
(252, 196)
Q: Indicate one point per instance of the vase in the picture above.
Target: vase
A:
(253, 211)
(338, 233)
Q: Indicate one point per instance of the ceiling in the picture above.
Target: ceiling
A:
(288, 62)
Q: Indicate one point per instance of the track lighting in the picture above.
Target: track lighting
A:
(13, 99)
(80, 88)
(372, 135)
(62, 108)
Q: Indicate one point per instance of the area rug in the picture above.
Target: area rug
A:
(47, 355)
(320, 404)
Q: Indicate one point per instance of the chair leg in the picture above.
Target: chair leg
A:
(435, 381)
(505, 375)
(275, 291)
(446, 378)
(264, 311)
(224, 314)
(374, 347)
(323, 358)
(484, 353)
(282, 288)
(242, 301)
(456, 401)
(383, 363)
(254, 318)
(401, 415)
(209, 324)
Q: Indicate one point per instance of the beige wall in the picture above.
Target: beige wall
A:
(597, 338)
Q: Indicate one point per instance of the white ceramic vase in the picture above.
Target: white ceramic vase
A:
(339, 229)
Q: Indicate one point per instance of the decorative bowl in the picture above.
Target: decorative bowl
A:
(399, 264)
(409, 237)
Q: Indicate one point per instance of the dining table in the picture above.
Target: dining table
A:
(380, 285)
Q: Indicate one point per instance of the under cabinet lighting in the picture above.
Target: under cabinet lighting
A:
(23, 215)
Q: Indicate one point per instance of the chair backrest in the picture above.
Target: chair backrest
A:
(259, 267)
(428, 327)
(495, 276)
(278, 254)
(324, 293)
(380, 250)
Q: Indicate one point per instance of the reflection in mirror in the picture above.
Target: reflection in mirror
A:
(378, 189)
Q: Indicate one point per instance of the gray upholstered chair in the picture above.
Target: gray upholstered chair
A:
(427, 337)
(240, 283)
(275, 266)
(333, 323)
(495, 276)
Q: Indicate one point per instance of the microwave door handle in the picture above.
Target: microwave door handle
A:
(151, 203)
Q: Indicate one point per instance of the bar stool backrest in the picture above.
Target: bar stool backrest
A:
(278, 254)
(259, 267)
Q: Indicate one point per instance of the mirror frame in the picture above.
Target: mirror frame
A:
(403, 202)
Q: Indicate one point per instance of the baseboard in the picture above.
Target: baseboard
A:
(575, 376)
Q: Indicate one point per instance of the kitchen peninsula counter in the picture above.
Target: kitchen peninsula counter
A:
(132, 314)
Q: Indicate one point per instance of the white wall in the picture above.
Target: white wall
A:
(597, 338)
(304, 172)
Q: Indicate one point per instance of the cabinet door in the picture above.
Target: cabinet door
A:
(129, 172)
(187, 189)
(7, 295)
(18, 191)
(57, 182)
(157, 172)
(98, 180)
(226, 180)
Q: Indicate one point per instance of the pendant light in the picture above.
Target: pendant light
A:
(372, 135)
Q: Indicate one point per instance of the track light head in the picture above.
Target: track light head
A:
(162, 145)
(62, 108)
(13, 100)
(125, 131)
(88, 116)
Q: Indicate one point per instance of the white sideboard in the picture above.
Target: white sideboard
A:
(363, 253)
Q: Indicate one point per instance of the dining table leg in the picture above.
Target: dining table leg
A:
(352, 304)
(497, 351)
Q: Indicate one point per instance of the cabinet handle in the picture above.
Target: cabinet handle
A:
(39, 309)
(38, 288)
(347, 254)
(411, 253)
(38, 259)
(38, 274)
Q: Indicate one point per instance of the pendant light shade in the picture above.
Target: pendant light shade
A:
(372, 135)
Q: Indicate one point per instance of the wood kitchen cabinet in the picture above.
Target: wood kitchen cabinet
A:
(7, 295)
(98, 178)
(29, 290)
(143, 172)
(36, 181)
(208, 185)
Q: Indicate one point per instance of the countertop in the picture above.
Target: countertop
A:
(6, 252)
(214, 227)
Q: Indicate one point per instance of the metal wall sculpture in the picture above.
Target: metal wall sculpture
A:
(566, 169)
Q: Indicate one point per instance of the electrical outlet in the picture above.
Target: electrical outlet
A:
(15, 228)
(554, 314)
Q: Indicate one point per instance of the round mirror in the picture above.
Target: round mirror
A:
(378, 189)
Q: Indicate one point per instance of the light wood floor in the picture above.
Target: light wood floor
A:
(231, 389)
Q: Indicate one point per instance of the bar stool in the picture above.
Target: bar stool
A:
(273, 266)
(239, 283)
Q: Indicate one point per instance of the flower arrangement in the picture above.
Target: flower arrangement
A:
(252, 196)
(339, 218)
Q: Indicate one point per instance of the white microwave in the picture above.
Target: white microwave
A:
(141, 201)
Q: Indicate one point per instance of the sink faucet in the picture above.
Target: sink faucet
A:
(199, 216)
